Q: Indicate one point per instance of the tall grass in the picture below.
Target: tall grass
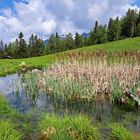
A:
(119, 132)
(5, 108)
(13, 124)
(72, 127)
(8, 132)
(83, 77)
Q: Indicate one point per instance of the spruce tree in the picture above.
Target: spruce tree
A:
(78, 41)
(113, 31)
(129, 23)
(21, 46)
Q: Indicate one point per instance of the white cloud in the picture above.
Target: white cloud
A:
(95, 10)
(69, 4)
(44, 17)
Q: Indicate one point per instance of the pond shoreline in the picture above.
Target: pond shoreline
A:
(101, 112)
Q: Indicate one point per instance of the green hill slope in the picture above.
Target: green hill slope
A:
(121, 45)
(8, 66)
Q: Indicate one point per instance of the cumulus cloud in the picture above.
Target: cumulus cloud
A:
(44, 17)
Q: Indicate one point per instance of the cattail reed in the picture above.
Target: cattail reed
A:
(89, 75)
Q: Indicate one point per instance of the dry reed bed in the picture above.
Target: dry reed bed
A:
(109, 56)
(100, 75)
(87, 75)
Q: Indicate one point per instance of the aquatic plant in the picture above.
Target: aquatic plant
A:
(119, 132)
(12, 121)
(8, 132)
(5, 107)
(71, 127)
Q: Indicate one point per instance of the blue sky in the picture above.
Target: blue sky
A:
(44, 17)
(8, 3)
(138, 2)
(5, 3)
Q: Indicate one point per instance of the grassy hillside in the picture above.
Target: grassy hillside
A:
(10, 66)
(121, 45)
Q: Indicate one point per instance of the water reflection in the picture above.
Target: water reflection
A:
(7, 83)
(101, 112)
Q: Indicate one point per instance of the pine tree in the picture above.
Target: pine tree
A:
(32, 45)
(78, 41)
(1, 49)
(92, 36)
(36, 46)
(51, 44)
(96, 26)
(101, 34)
(21, 46)
(1, 46)
(137, 31)
(129, 23)
(113, 31)
(11, 50)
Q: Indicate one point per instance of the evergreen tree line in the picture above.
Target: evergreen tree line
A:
(116, 29)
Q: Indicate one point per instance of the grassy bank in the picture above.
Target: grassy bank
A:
(11, 66)
(13, 124)
(17, 126)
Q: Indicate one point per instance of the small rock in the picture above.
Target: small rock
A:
(36, 71)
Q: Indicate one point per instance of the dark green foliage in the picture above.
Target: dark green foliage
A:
(1, 49)
(113, 32)
(11, 49)
(98, 35)
(54, 44)
(69, 42)
(21, 47)
(78, 41)
(92, 37)
(129, 23)
(101, 35)
(36, 46)
(138, 30)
